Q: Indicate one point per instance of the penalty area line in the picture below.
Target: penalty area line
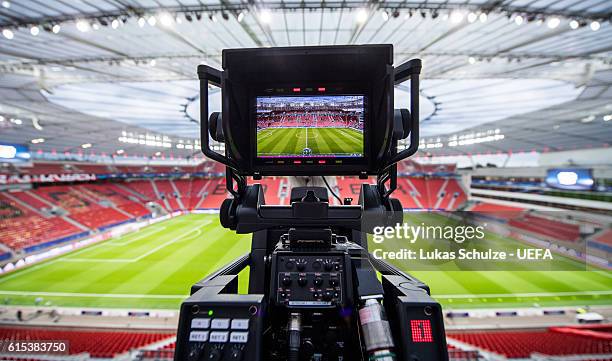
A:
(136, 259)
(144, 234)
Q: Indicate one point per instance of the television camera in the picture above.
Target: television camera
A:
(314, 291)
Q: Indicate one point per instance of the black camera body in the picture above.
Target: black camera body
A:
(313, 290)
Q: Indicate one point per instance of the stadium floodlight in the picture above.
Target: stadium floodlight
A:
(456, 16)
(265, 16)
(141, 22)
(483, 17)
(6, 4)
(115, 24)
(240, 17)
(472, 17)
(553, 22)
(361, 16)
(82, 26)
(86, 145)
(8, 33)
(518, 20)
(34, 30)
(595, 25)
(574, 24)
(165, 19)
(152, 20)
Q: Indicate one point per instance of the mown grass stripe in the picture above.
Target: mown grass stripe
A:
(352, 142)
(334, 147)
(269, 143)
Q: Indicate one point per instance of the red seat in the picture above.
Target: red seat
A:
(99, 344)
(521, 344)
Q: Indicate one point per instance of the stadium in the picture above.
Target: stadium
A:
(109, 211)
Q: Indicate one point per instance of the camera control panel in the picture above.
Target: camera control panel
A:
(309, 280)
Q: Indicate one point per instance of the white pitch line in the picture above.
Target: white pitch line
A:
(541, 294)
(63, 258)
(27, 270)
(106, 295)
(170, 242)
(136, 259)
(141, 236)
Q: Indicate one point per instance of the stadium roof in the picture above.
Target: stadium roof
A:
(515, 75)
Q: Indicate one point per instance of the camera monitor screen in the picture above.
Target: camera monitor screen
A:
(310, 126)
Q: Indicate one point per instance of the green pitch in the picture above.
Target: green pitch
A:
(320, 141)
(566, 283)
(151, 268)
(155, 267)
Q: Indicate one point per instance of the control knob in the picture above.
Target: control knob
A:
(301, 264)
(328, 265)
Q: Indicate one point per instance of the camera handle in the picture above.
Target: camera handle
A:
(209, 75)
(404, 120)
(410, 70)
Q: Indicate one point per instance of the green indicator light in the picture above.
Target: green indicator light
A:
(210, 312)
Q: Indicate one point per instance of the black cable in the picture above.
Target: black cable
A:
(331, 191)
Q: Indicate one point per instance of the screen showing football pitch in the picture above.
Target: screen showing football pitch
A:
(310, 126)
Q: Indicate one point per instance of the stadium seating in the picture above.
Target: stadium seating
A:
(349, 187)
(521, 344)
(493, 207)
(164, 352)
(406, 194)
(168, 193)
(81, 206)
(547, 228)
(47, 168)
(605, 237)
(415, 192)
(192, 191)
(98, 205)
(454, 195)
(143, 188)
(99, 344)
(21, 228)
(214, 194)
(120, 197)
(28, 198)
(271, 188)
